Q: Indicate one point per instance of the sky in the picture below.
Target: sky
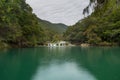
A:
(67, 12)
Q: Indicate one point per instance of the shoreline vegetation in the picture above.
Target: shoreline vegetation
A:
(101, 28)
(104, 44)
(19, 27)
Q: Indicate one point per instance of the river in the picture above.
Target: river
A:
(60, 63)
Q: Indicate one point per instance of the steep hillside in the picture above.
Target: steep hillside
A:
(102, 27)
(60, 28)
(18, 25)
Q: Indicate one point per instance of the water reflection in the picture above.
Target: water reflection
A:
(64, 71)
(58, 49)
(66, 63)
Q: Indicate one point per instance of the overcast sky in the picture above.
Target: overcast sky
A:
(59, 11)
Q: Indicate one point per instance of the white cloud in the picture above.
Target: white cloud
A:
(59, 11)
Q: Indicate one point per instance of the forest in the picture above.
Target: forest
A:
(19, 27)
(101, 28)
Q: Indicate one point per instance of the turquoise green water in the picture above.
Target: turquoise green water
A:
(65, 63)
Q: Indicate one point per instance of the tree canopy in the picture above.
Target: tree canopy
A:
(102, 27)
(19, 27)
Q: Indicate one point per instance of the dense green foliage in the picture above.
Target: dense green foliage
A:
(18, 25)
(21, 28)
(53, 32)
(102, 27)
(59, 27)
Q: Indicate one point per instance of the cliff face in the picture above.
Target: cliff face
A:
(102, 27)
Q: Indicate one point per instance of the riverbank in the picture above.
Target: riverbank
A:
(99, 44)
(6, 45)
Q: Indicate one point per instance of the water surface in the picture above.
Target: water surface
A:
(65, 63)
